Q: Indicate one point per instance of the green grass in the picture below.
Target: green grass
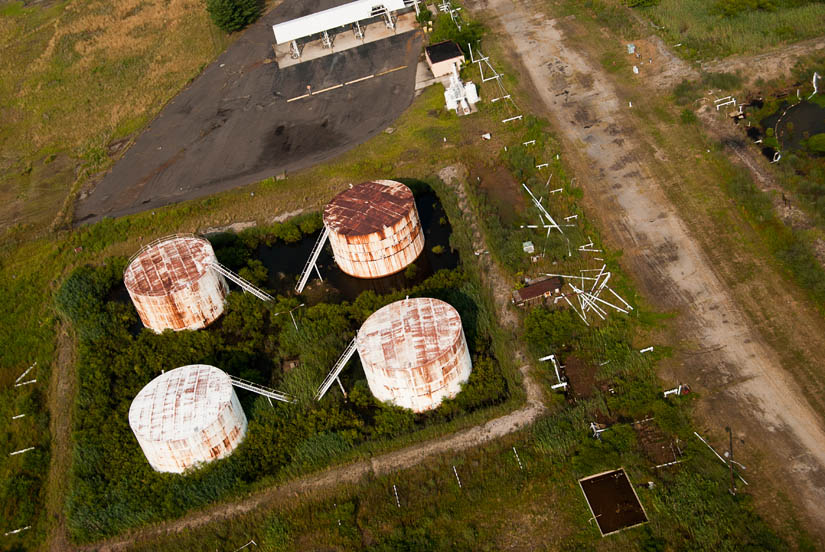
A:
(705, 33)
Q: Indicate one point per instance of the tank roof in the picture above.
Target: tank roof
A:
(180, 402)
(409, 333)
(368, 207)
(168, 264)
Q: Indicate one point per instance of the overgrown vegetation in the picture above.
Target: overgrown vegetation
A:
(724, 27)
(113, 487)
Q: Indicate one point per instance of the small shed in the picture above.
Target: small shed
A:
(537, 291)
(442, 56)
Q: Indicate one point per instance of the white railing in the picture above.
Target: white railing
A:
(336, 370)
(245, 285)
(260, 389)
(316, 250)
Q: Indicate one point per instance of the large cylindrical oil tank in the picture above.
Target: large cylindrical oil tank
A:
(374, 229)
(173, 286)
(414, 353)
(187, 416)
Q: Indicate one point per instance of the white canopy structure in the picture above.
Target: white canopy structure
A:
(339, 16)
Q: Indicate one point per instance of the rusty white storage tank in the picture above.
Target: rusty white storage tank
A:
(187, 416)
(374, 229)
(172, 285)
(414, 353)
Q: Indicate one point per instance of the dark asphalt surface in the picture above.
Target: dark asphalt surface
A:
(232, 125)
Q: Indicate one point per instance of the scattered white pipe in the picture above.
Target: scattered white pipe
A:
(23, 375)
(21, 451)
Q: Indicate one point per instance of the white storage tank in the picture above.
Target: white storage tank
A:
(186, 417)
(374, 229)
(173, 286)
(414, 353)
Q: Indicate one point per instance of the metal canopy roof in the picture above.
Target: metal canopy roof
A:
(334, 17)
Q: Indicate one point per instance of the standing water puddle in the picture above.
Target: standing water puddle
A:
(285, 261)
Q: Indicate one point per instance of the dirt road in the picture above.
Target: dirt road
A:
(745, 383)
(394, 461)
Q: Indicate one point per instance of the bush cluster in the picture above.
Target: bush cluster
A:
(234, 15)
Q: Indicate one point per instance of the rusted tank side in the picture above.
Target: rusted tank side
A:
(414, 353)
(186, 417)
(172, 285)
(374, 229)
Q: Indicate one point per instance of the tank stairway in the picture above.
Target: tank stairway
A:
(260, 389)
(336, 371)
(246, 286)
(319, 245)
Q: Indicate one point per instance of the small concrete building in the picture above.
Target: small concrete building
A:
(442, 56)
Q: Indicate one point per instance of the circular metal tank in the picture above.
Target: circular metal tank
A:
(414, 353)
(173, 286)
(187, 416)
(374, 229)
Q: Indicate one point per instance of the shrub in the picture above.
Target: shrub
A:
(688, 116)
(233, 15)
(817, 143)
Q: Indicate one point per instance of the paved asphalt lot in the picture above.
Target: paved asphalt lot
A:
(232, 125)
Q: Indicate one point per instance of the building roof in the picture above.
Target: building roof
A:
(443, 51)
(538, 289)
(332, 18)
(368, 207)
(408, 333)
(180, 402)
(167, 265)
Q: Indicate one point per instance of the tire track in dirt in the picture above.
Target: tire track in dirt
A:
(748, 386)
(399, 460)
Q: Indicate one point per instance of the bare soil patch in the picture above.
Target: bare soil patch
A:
(581, 375)
(501, 188)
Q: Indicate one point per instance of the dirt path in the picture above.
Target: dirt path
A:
(743, 378)
(767, 65)
(62, 387)
(393, 461)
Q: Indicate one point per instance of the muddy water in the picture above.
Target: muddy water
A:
(285, 261)
(801, 120)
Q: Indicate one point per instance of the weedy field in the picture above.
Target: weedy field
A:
(721, 28)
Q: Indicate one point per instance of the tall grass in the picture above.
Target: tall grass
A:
(706, 34)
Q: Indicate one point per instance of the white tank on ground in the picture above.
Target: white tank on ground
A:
(173, 286)
(374, 229)
(186, 417)
(414, 353)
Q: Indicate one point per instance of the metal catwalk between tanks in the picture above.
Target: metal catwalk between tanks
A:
(232, 125)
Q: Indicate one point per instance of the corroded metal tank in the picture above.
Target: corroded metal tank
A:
(414, 353)
(187, 416)
(374, 229)
(173, 286)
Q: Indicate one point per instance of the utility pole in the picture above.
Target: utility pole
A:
(730, 460)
